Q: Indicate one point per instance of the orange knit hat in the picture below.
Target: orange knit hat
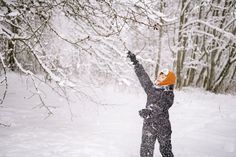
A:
(170, 78)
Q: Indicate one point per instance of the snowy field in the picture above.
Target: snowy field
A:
(203, 124)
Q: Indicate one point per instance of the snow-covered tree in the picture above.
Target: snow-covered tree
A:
(70, 41)
(206, 44)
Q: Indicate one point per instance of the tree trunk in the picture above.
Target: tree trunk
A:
(215, 84)
(182, 43)
(225, 71)
(10, 44)
(159, 43)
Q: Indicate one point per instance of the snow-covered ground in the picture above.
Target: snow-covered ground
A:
(203, 124)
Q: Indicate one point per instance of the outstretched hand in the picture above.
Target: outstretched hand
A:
(132, 57)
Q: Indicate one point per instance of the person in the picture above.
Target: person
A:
(160, 97)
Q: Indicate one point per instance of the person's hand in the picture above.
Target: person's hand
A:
(132, 57)
(145, 113)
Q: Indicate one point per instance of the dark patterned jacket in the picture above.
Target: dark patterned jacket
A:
(158, 100)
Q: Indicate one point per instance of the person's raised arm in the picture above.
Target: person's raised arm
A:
(143, 77)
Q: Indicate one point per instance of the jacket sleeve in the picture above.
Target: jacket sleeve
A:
(143, 77)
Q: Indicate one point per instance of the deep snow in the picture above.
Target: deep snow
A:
(203, 124)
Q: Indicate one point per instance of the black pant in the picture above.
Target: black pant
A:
(151, 133)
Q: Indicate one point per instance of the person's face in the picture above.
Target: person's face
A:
(161, 77)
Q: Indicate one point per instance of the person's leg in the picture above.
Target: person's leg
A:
(148, 141)
(164, 139)
(165, 146)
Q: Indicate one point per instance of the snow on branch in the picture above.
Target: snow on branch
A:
(5, 125)
(232, 60)
(225, 33)
(28, 72)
